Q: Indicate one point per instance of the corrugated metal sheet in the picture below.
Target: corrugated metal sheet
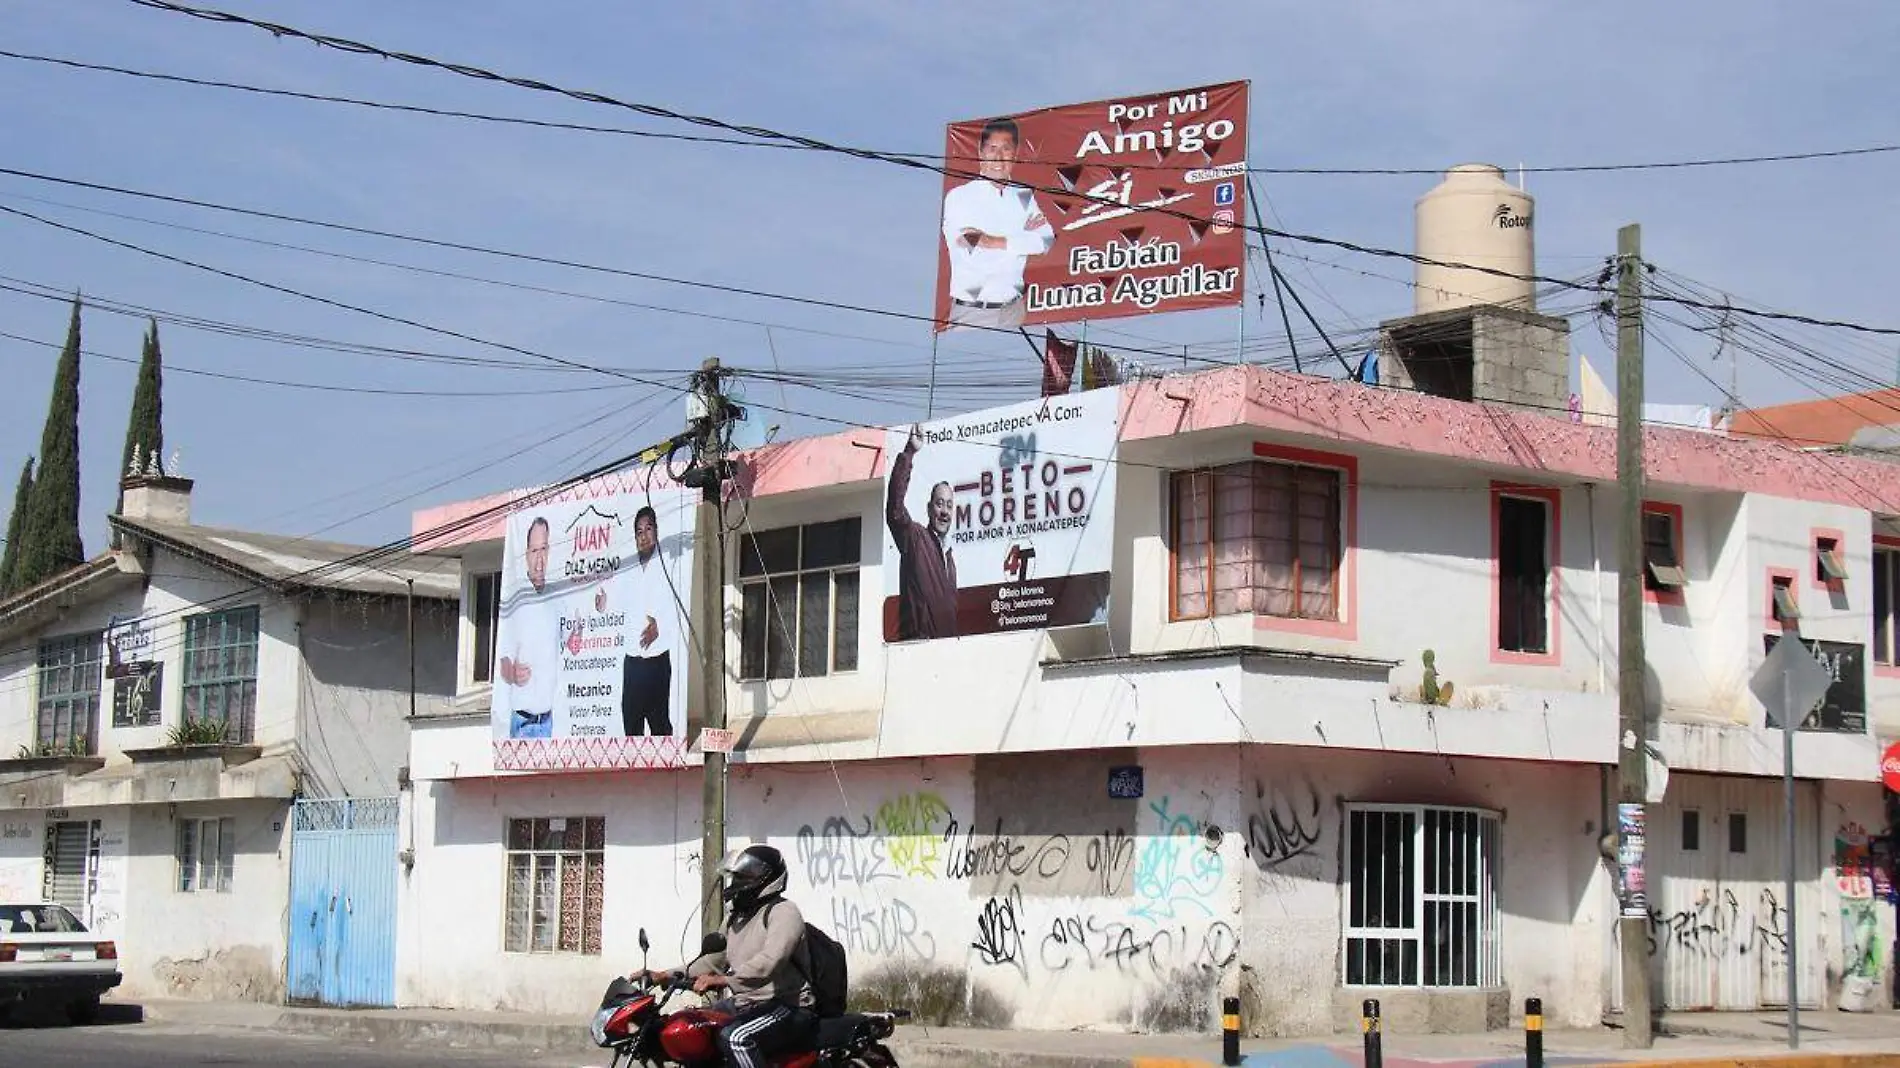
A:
(1714, 863)
(343, 902)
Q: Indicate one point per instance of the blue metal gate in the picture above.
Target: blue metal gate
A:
(343, 902)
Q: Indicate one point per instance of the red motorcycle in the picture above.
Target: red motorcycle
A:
(634, 1024)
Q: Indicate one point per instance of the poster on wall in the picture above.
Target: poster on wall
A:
(1843, 709)
(128, 641)
(1631, 893)
(1112, 208)
(137, 692)
(1001, 520)
(591, 654)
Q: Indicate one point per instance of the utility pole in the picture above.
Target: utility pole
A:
(1633, 719)
(709, 414)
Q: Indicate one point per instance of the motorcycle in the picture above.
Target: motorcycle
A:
(634, 1023)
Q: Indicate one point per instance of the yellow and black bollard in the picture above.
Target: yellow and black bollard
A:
(1230, 1031)
(1369, 1022)
(1533, 1033)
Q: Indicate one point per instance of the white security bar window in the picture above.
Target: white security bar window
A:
(1260, 537)
(71, 674)
(221, 671)
(1886, 603)
(798, 589)
(557, 877)
(207, 855)
(484, 610)
(1421, 897)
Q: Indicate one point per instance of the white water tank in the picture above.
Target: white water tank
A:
(1475, 217)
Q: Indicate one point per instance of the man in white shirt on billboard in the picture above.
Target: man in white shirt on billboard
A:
(533, 614)
(991, 228)
(646, 672)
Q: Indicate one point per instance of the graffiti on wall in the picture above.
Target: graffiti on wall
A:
(1168, 882)
(1179, 869)
(1286, 827)
(913, 825)
(1718, 926)
(1860, 878)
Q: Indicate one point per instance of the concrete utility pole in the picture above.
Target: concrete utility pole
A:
(1633, 726)
(709, 415)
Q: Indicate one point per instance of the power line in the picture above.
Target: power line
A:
(739, 142)
(445, 331)
(1170, 354)
(654, 111)
(172, 368)
(461, 276)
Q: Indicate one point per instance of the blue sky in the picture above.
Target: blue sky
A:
(1347, 85)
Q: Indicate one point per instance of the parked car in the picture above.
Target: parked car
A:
(47, 957)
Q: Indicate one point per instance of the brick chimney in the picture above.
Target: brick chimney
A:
(156, 498)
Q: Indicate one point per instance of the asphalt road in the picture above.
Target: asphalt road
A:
(107, 1045)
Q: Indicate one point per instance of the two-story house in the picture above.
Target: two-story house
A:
(1308, 826)
(163, 705)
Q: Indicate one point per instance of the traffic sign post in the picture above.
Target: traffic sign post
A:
(1789, 683)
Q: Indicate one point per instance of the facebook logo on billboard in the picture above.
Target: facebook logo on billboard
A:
(1224, 194)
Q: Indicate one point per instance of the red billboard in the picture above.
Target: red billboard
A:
(1102, 210)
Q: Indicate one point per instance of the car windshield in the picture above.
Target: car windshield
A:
(38, 919)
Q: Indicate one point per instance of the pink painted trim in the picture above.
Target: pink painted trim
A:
(1815, 534)
(1346, 627)
(1553, 499)
(1794, 591)
(1674, 598)
(1329, 412)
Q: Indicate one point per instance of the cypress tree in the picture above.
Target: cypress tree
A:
(50, 538)
(16, 523)
(144, 431)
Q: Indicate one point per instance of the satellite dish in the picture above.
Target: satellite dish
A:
(747, 433)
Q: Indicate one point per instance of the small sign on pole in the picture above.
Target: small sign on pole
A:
(1789, 683)
(715, 740)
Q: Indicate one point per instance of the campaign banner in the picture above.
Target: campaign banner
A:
(591, 655)
(1001, 520)
(1102, 210)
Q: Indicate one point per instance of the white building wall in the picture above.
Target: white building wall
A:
(353, 689)
(1012, 880)
(206, 944)
(177, 588)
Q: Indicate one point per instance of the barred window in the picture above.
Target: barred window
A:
(71, 677)
(220, 684)
(1421, 897)
(556, 885)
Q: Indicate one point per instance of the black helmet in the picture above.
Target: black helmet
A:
(753, 875)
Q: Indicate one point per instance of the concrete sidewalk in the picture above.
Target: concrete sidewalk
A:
(1837, 1040)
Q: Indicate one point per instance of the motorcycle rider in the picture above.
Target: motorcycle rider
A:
(767, 992)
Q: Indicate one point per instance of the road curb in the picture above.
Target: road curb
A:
(1775, 1061)
(373, 1028)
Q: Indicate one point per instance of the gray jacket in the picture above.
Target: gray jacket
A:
(766, 955)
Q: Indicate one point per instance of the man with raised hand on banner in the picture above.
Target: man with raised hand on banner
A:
(646, 671)
(991, 229)
(533, 657)
(927, 570)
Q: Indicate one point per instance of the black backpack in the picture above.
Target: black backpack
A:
(828, 973)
